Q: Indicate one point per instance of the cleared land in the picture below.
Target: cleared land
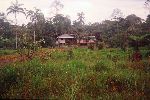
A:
(82, 74)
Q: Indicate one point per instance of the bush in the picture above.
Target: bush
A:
(100, 45)
(9, 77)
(91, 46)
(70, 54)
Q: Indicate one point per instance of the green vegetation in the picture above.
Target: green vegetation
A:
(116, 65)
(102, 74)
(7, 52)
(117, 32)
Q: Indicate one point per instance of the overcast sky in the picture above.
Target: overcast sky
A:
(95, 10)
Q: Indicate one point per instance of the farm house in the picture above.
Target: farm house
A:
(66, 39)
(87, 40)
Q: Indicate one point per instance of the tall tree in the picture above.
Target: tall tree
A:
(2, 16)
(80, 18)
(6, 35)
(145, 25)
(5, 30)
(62, 24)
(56, 6)
(133, 23)
(79, 24)
(37, 18)
(147, 5)
(35, 15)
(117, 15)
(15, 9)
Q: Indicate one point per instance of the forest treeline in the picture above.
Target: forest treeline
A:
(116, 32)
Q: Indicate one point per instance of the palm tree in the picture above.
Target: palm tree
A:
(37, 18)
(15, 8)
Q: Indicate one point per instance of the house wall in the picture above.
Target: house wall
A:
(62, 41)
(67, 41)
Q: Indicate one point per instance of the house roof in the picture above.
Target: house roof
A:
(65, 36)
(91, 36)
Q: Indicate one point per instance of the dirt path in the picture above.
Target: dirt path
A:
(7, 59)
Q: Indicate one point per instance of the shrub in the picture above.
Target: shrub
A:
(70, 54)
(100, 45)
(147, 55)
(9, 76)
(146, 66)
(91, 46)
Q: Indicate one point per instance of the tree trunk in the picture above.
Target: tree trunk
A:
(34, 37)
(16, 31)
(16, 41)
(117, 28)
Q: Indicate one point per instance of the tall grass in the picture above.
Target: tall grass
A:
(87, 75)
(7, 52)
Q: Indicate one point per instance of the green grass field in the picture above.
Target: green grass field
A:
(85, 74)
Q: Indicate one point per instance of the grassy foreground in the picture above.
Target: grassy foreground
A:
(104, 75)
